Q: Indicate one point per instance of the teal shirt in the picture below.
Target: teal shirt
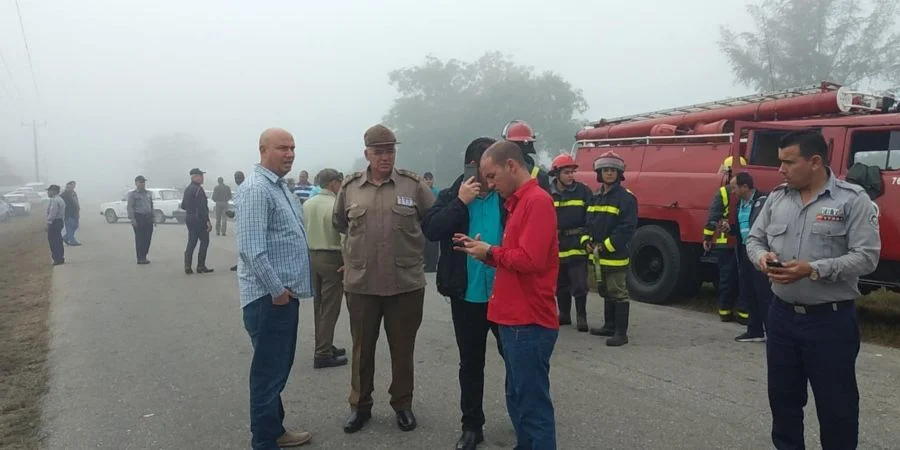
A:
(435, 191)
(744, 217)
(484, 219)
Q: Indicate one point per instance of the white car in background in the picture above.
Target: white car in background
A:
(165, 203)
(18, 203)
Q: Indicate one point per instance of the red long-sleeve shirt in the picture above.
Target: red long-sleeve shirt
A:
(527, 262)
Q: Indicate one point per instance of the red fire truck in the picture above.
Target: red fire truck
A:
(673, 159)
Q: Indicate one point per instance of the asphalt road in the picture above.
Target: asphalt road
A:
(145, 357)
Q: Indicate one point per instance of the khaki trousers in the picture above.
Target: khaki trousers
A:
(402, 315)
(328, 285)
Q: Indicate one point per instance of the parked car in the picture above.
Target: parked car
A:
(180, 214)
(5, 211)
(18, 203)
(165, 202)
(30, 194)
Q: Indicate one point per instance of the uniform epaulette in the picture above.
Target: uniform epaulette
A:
(781, 187)
(409, 174)
(844, 184)
(351, 178)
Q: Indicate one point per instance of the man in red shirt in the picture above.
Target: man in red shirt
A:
(523, 302)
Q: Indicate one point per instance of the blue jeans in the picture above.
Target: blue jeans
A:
(526, 352)
(273, 333)
(71, 227)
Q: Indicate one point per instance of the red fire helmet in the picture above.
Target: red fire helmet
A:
(562, 161)
(518, 131)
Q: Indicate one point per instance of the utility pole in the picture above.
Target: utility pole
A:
(34, 124)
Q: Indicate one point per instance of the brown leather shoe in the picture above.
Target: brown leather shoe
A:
(294, 439)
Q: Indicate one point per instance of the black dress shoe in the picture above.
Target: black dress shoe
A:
(338, 351)
(469, 440)
(204, 269)
(331, 361)
(233, 269)
(406, 420)
(188, 271)
(356, 421)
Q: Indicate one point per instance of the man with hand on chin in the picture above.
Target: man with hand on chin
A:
(815, 236)
(523, 301)
(273, 273)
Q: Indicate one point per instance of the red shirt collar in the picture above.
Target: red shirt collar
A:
(513, 199)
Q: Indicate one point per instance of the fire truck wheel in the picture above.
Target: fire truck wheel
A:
(655, 265)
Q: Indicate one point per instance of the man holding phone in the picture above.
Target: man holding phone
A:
(468, 207)
(815, 236)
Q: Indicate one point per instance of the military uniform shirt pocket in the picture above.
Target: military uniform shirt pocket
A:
(775, 234)
(827, 240)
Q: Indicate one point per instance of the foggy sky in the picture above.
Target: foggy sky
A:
(112, 73)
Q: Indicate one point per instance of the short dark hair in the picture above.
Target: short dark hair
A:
(744, 179)
(503, 151)
(326, 176)
(810, 142)
(428, 176)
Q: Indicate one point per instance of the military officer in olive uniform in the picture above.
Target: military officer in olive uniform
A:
(379, 210)
(815, 236)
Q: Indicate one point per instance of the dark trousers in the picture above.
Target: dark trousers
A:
(221, 220)
(821, 348)
(143, 234)
(471, 326)
(432, 253)
(526, 352)
(572, 282)
(402, 315)
(328, 285)
(197, 231)
(55, 239)
(728, 282)
(273, 333)
(755, 292)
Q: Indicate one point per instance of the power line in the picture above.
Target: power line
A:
(8, 73)
(27, 50)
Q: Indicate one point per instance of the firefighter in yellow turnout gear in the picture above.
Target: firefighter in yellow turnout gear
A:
(715, 240)
(571, 200)
(611, 222)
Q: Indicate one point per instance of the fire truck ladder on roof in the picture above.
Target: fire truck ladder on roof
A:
(726, 103)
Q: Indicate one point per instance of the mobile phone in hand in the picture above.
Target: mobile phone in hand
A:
(470, 171)
(774, 263)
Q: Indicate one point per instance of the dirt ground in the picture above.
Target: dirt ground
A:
(24, 337)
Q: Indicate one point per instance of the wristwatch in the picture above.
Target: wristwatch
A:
(814, 275)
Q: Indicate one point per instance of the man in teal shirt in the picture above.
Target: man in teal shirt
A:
(468, 207)
(753, 286)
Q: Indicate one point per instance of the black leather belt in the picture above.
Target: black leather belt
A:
(573, 232)
(815, 309)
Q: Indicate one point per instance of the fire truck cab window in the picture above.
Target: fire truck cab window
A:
(876, 148)
(765, 148)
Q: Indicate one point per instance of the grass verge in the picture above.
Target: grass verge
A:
(24, 330)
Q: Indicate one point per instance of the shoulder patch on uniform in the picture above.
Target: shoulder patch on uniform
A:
(409, 174)
(876, 214)
(351, 178)
(843, 184)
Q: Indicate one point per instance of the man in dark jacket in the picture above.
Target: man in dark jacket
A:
(715, 239)
(755, 289)
(73, 212)
(571, 199)
(612, 219)
(468, 207)
(197, 219)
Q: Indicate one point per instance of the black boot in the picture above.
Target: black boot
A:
(564, 300)
(581, 313)
(609, 320)
(621, 337)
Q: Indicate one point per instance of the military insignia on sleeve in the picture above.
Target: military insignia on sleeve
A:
(873, 219)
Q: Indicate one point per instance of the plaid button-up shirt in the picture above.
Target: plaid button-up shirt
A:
(272, 248)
